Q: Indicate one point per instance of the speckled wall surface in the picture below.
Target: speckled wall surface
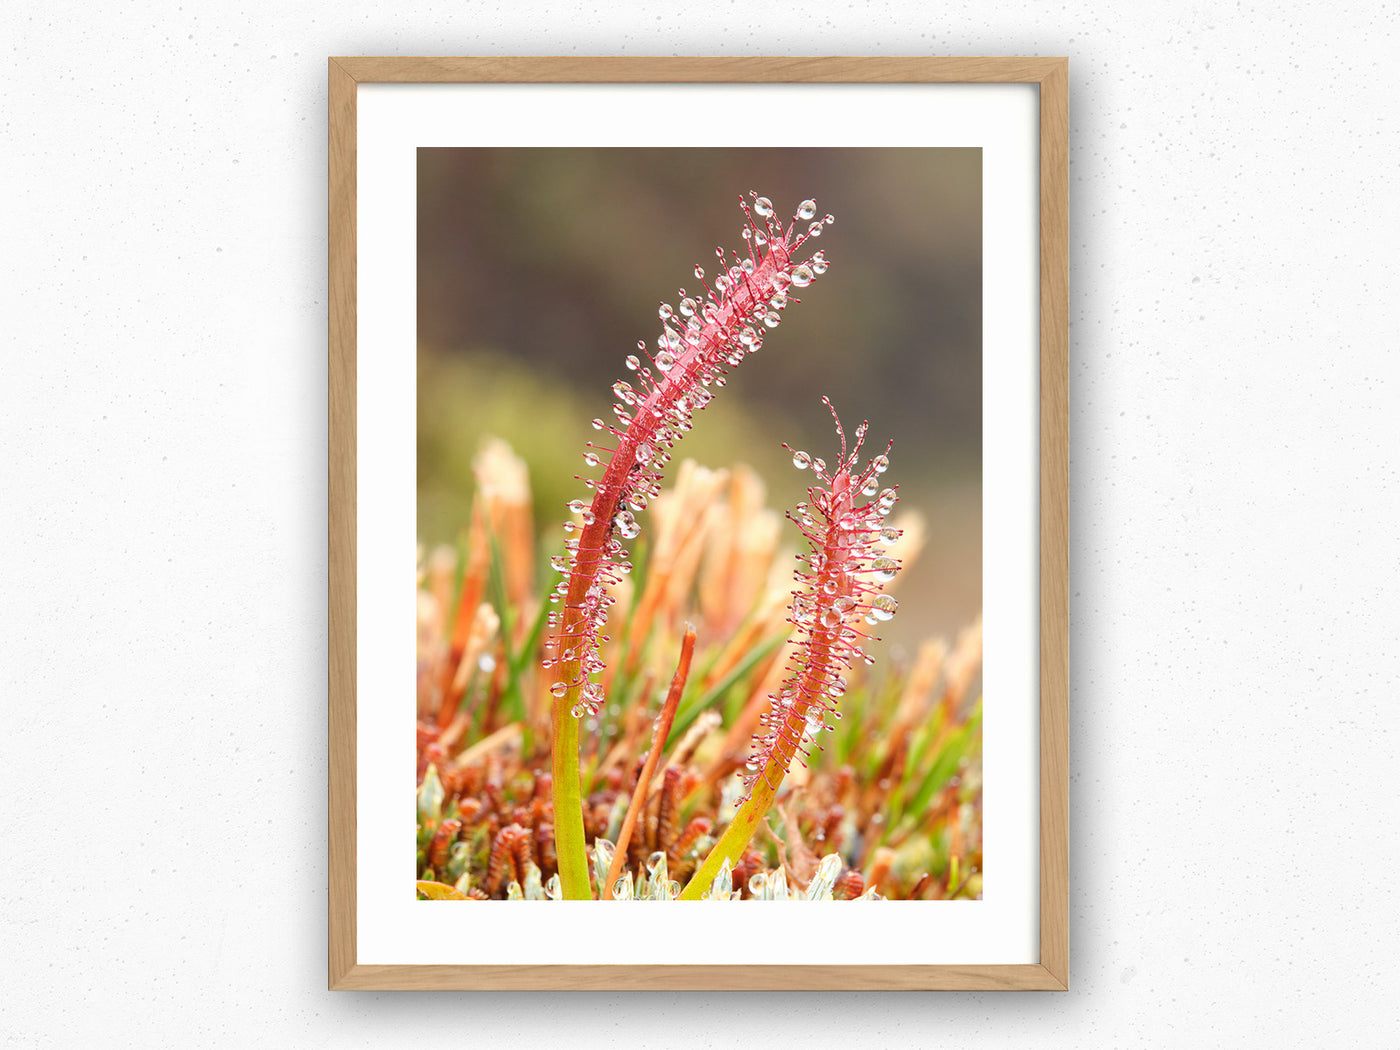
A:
(1235, 303)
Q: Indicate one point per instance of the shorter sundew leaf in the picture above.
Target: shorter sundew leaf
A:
(840, 596)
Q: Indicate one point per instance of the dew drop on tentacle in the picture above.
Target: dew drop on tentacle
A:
(762, 206)
(801, 460)
(802, 275)
(806, 210)
(885, 569)
(882, 608)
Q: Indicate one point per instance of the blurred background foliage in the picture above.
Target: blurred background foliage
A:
(539, 269)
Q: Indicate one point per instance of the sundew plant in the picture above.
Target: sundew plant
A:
(677, 720)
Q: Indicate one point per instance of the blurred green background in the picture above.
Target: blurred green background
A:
(539, 269)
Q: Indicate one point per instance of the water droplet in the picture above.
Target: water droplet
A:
(577, 505)
(802, 275)
(558, 689)
(747, 266)
(578, 711)
(559, 563)
(818, 262)
(722, 284)
(779, 300)
(868, 489)
(645, 453)
(747, 337)
(591, 458)
(819, 465)
(800, 460)
(836, 687)
(885, 569)
(883, 607)
(829, 587)
(806, 210)
(830, 618)
(587, 516)
(759, 238)
(665, 360)
(633, 362)
(763, 206)
(665, 312)
(881, 464)
(687, 307)
(772, 319)
(814, 230)
(699, 272)
(889, 534)
(626, 525)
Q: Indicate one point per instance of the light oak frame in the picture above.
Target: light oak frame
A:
(1051, 74)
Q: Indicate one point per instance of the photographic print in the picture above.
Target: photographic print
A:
(700, 568)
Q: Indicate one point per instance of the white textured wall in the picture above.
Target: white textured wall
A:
(1236, 732)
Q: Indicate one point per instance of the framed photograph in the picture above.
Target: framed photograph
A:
(698, 523)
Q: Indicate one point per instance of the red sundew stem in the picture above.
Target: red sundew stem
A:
(648, 423)
(659, 732)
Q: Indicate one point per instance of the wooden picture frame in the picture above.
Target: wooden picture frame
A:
(346, 971)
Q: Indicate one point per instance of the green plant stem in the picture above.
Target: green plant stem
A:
(740, 832)
(568, 807)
